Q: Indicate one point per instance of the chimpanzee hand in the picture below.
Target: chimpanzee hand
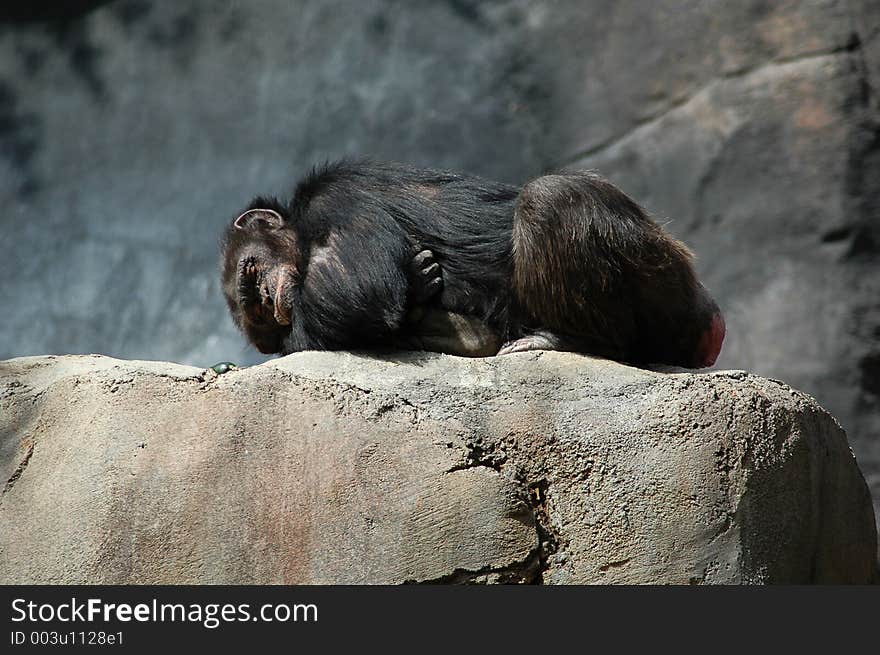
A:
(432, 327)
(425, 278)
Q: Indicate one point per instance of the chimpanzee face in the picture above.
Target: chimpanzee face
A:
(260, 274)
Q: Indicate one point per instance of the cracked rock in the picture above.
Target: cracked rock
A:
(348, 468)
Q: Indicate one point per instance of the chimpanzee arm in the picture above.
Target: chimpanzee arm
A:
(437, 330)
(356, 288)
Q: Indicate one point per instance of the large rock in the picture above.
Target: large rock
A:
(346, 468)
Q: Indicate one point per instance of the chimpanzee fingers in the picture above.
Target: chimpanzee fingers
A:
(431, 275)
(434, 286)
(513, 347)
(423, 259)
(530, 342)
(425, 277)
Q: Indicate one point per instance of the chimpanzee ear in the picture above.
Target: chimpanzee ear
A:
(259, 219)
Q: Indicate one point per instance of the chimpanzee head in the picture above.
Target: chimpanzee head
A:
(261, 268)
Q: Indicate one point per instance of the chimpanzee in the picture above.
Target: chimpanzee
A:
(378, 254)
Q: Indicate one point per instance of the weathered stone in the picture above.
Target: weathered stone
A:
(752, 127)
(350, 468)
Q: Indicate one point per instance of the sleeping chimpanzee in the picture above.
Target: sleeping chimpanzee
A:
(370, 254)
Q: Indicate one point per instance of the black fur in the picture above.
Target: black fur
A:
(372, 218)
(568, 257)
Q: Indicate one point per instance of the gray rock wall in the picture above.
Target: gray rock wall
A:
(348, 468)
(131, 130)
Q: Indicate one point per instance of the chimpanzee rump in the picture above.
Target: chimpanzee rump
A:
(567, 262)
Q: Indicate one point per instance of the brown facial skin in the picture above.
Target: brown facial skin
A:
(260, 275)
(273, 284)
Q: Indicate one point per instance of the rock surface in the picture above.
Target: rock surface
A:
(351, 468)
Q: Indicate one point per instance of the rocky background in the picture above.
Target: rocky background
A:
(130, 131)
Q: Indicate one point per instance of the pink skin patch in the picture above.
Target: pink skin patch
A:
(284, 277)
(710, 343)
